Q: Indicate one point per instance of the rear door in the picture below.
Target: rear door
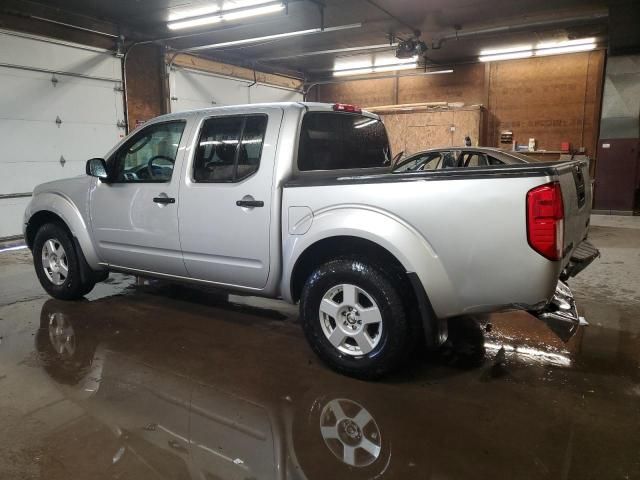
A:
(225, 201)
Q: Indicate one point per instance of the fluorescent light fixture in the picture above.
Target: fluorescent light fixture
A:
(225, 15)
(541, 49)
(215, 7)
(364, 66)
(276, 36)
(565, 43)
(501, 51)
(569, 49)
(506, 56)
(568, 46)
(376, 69)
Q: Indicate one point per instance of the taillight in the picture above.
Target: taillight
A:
(345, 107)
(545, 220)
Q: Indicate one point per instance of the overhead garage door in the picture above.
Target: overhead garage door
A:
(193, 89)
(60, 104)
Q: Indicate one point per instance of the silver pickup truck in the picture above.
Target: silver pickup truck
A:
(298, 201)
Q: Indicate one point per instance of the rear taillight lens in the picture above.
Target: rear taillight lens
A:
(545, 220)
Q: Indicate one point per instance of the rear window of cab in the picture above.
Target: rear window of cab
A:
(341, 141)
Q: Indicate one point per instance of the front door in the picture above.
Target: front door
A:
(134, 215)
(226, 199)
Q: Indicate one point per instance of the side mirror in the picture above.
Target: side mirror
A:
(97, 167)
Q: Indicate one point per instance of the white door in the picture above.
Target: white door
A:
(225, 203)
(193, 89)
(60, 104)
(134, 215)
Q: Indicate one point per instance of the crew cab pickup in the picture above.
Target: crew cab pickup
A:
(298, 201)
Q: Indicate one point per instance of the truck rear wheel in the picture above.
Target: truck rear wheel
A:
(355, 319)
(57, 264)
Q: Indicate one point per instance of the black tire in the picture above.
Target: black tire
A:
(399, 332)
(72, 287)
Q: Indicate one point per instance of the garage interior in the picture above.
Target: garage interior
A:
(146, 379)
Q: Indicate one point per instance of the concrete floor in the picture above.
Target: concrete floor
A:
(169, 382)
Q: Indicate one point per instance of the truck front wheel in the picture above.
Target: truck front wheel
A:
(355, 319)
(57, 264)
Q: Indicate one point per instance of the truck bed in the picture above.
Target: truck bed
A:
(476, 256)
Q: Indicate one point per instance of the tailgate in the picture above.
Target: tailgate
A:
(576, 196)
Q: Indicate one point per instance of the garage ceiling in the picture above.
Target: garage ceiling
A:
(460, 28)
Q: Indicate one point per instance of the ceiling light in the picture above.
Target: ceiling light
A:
(368, 65)
(500, 51)
(541, 49)
(277, 36)
(568, 49)
(565, 43)
(505, 56)
(222, 15)
(215, 8)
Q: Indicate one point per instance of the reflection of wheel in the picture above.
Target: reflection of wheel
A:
(57, 264)
(353, 437)
(354, 318)
(61, 335)
(338, 437)
(65, 348)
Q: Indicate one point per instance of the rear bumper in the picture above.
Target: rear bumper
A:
(562, 306)
(581, 258)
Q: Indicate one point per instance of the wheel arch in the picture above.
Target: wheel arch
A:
(52, 207)
(412, 289)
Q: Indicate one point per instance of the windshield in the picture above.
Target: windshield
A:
(338, 141)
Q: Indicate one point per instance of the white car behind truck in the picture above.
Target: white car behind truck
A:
(298, 201)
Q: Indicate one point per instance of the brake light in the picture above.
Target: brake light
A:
(345, 107)
(545, 220)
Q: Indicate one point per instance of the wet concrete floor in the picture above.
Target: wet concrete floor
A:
(169, 382)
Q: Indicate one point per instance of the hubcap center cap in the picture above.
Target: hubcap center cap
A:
(349, 432)
(350, 321)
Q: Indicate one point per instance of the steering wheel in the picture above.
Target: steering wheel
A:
(150, 164)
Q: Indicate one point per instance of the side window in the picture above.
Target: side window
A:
(473, 159)
(149, 156)
(229, 148)
(431, 162)
(494, 161)
(449, 160)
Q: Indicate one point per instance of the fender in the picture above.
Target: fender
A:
(65, 208)
(405, 243)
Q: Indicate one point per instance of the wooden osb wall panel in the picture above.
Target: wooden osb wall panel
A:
(369, 93)
(412, 132)
(465, 84)
(145, 84)
(552, 99)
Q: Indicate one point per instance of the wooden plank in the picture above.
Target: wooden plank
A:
(211, 66)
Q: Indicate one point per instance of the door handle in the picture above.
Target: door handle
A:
(250, 203)
(164, 200)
